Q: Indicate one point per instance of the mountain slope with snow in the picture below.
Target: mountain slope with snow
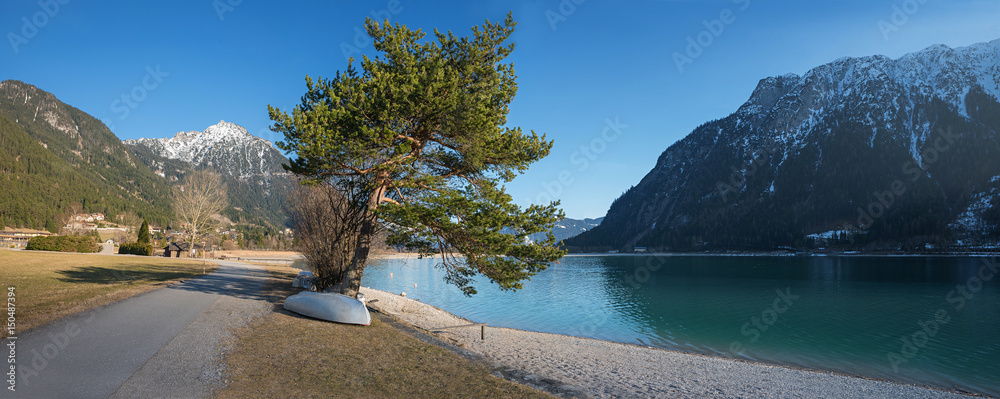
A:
(250, 165)
(898, 152)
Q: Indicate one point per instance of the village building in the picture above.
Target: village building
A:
(18, 238)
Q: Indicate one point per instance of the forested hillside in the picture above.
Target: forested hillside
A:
(53, 155)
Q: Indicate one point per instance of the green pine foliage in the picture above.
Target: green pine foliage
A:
(418, 139)
(143, 235)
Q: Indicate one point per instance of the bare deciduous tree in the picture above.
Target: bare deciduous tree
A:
(70, 223)
(201, 195)
(328, 229)
(131, 222)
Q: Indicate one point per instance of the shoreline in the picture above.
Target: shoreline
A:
(615, 369)
(292, 256)
(794, 254)
(978, 254)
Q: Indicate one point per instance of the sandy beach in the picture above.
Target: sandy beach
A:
(608, 369)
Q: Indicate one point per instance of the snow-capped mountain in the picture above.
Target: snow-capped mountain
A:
(250, 165)
(897, 152)
(226, 147)
(567, 228)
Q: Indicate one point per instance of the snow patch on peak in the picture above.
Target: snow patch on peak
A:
(224, 145)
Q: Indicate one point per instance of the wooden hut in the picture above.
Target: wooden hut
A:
(177, 249)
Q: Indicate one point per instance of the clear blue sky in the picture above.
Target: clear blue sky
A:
(578, 66)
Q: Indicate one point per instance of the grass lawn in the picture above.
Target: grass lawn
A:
(50, 285)
(287, 355)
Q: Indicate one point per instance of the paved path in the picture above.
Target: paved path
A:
(163, 343)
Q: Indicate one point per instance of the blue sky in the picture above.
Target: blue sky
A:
(601, 78)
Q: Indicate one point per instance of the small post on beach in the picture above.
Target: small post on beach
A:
(482, 329)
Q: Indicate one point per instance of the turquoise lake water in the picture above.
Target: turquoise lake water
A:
(926, 320)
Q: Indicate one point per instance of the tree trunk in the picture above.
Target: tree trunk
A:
(194, 233)
(352, 276)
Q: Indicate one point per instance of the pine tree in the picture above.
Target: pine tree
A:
(143, 237)
(417, 140)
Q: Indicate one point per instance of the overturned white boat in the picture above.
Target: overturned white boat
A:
(329, 306)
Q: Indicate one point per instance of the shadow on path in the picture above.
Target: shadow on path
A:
(230, 279)
(107, 275)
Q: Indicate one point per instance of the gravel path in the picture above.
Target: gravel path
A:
(609, 369)
(190, 366)
(163, 343)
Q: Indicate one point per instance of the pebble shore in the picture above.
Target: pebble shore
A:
(593, 368)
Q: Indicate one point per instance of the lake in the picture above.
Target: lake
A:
(926, 320)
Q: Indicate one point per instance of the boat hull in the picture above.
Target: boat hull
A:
(332, 307)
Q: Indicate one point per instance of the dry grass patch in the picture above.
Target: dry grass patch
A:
(52, 285)
(287, 355)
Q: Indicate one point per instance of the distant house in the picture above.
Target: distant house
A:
(177, 250)
(639, 249)
(19, 237)
(86, 217)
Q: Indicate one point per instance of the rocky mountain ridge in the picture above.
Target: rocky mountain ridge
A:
(888, 153)
(250, 166)
(225, 146)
